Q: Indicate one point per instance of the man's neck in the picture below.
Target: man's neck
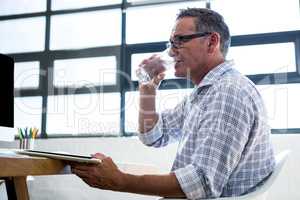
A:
(211, 65)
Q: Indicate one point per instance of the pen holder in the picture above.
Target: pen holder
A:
(27, 143)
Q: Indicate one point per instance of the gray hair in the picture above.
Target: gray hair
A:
(209, 21)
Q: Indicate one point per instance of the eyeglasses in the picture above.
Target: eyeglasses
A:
(179, 40)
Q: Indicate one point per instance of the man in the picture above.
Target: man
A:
(224, 140)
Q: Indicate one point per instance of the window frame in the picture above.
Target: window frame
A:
(123, 54)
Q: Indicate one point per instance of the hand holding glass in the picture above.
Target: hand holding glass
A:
(155, 65)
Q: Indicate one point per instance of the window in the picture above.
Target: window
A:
(27, 74)
(84, 114)
(28, 112)
(75, 60)
(89, 29)
(281, 101)
(22, 35)
(256, 16)
(13, 7)
(85, 72)
(264, 58)
(73, 4)
(153, 23)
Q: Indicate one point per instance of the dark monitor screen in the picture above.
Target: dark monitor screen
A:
(6, 91)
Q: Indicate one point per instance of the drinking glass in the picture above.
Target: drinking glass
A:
(158, 64)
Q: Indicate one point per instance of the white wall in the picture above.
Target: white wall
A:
(63, 187)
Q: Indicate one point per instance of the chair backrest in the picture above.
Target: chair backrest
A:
(262, 191)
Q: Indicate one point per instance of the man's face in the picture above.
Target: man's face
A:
(191, 55)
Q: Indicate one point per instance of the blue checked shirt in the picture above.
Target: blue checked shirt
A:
(224, 139)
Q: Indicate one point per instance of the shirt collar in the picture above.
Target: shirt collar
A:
(212, 76)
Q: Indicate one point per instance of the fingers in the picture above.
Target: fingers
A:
(88, 179)
(148, 60)
(79, 168)
(153, 84)
(104, 175)
(99, 156)
(157, 80)
(79, 172)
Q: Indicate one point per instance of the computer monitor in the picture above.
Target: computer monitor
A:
(6, 91)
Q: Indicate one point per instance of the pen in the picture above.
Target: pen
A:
(30, 133)
(26, 136)
(34, 132)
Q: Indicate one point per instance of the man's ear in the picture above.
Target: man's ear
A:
(213, 42)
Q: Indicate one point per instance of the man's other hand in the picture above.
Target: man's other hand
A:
(104, 175)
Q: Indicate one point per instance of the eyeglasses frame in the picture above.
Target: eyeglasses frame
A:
(179, 40)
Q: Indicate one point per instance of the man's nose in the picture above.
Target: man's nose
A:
(173, 52)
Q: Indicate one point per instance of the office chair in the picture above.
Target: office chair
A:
(3, 195)
(262, 192)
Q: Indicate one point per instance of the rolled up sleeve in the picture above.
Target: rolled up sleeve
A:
(167, 129)
(150, 137)
(191, 182)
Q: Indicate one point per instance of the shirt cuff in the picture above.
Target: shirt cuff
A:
(150, 137)
(190, 182)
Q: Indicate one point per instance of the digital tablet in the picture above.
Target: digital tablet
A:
(59, 156)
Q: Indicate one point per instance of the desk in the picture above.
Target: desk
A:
(18, 167)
